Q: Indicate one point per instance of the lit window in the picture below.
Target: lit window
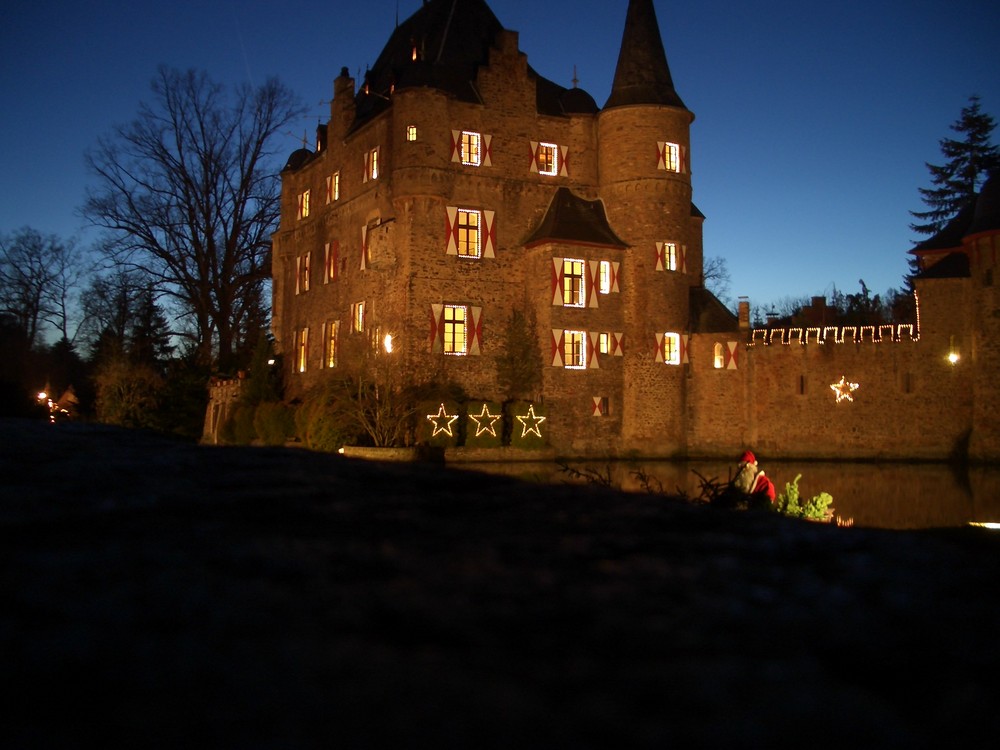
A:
(468, 233)
(330, 353)
(672, 348)
(718, 358)
(574, 350)
(302, 349)
(331, 253)
(671, 157)
(303, 204)
(670, 256)
(302, 273)
(455, 329)
(336, 186)
(373, 164)
(358, 317)
(411, 132)
(604, 279)
(573, 291)
(469, 145)
(547, 158)
(604, 343)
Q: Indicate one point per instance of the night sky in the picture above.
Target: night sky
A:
(813, 120)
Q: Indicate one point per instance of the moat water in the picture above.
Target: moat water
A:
(890, 495)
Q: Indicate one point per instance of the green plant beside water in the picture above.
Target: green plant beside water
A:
(790, 503)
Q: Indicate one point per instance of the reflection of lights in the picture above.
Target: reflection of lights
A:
(844, 389)
(953, 355)
(992, 525)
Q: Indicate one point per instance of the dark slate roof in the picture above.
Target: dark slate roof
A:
(987, 214)
(573, 219)
(298, 159)
(642, 75)
(453, 40)
(952, 266)
(696, 212)
(708, 314)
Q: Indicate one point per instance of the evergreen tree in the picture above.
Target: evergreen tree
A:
(956, 182)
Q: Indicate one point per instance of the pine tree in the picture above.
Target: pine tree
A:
(956, 182)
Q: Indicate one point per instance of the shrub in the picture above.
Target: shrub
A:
(273, 422)
(815, 509)
(238, 429)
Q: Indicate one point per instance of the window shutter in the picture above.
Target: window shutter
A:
(685, 342)
(437, 329)
(534, 157)
(618, 344)
(684, 160)
(332, 261)
(367, 163)
(329, 188)
(475, 330)
(456, 139)
(364, 246)
(557, 281)
(682, 259)
(451, 231)
(732, 355)
(299, 214)
(487, 150)
(558, 338)
(661, 155)
(615, 265)
(592, 360)
(593, 274)
(489, 234)
(661, 256)
(305, 271)
(564, 161)
(298, 274)
(659, 348)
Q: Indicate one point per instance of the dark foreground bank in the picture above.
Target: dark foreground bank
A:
(164, 594)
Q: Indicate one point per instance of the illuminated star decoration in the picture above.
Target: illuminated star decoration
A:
(482, 425)
(535, 422)
(843, 389)
(442, 422)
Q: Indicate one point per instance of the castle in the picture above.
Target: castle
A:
(455, 186)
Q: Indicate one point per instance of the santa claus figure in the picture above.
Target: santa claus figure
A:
(750, 479)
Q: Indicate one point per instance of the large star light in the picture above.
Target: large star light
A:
(485, 421)
(442, 422)
(535, 422)
(844, 389)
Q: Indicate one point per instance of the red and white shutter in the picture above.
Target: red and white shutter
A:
(682, 259)
(661, 256)
(661, 155)
(489, 230)
(329, 188)
(299, 214)
(475, 330)
(593, 275)
(298, 274)
(534, 157)
(331, 261)
(487, 147)
(437, 328)
(658, 355)
(615, 266)
(598, 408)
(732, 355)
(558, 342)
(451, 230)
(557, 281)
(618, 344)
(683, 166)
(367, 165)
(685, 342)
(593, 362)
(564, 161)
(456, 150)
(364, 247)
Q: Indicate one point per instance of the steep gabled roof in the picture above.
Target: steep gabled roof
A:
(708, 314)
(576, 220)
(642, 75)
(452, 40)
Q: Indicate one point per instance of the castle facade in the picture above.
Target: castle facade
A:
(454, 187)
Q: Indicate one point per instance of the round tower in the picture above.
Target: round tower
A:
(644, 163)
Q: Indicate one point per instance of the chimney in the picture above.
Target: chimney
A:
(744, 314)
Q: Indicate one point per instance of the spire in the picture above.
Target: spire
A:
(642, 75)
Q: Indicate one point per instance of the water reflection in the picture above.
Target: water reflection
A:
(884, 495)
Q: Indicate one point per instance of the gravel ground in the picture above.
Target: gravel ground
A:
(159, 594)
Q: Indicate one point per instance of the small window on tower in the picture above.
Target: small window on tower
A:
(718, 357)
(671, 157)
(604, 280)
(604, 343)
(411, 132)
(470, 148)
(672, 348)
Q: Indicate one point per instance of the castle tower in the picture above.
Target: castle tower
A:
(645, 180)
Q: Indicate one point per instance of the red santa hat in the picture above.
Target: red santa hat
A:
(748, 458)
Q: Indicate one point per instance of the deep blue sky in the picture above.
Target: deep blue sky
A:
(813, 120)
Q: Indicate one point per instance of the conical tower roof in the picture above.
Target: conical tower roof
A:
(642, 75)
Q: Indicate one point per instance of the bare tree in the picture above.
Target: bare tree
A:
(38, 278)
(189, 193)
(716, 278)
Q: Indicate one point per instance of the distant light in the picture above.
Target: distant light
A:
(953, 357)
(992, 525)
(270, 361)
(42, 395)
(387, 343)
